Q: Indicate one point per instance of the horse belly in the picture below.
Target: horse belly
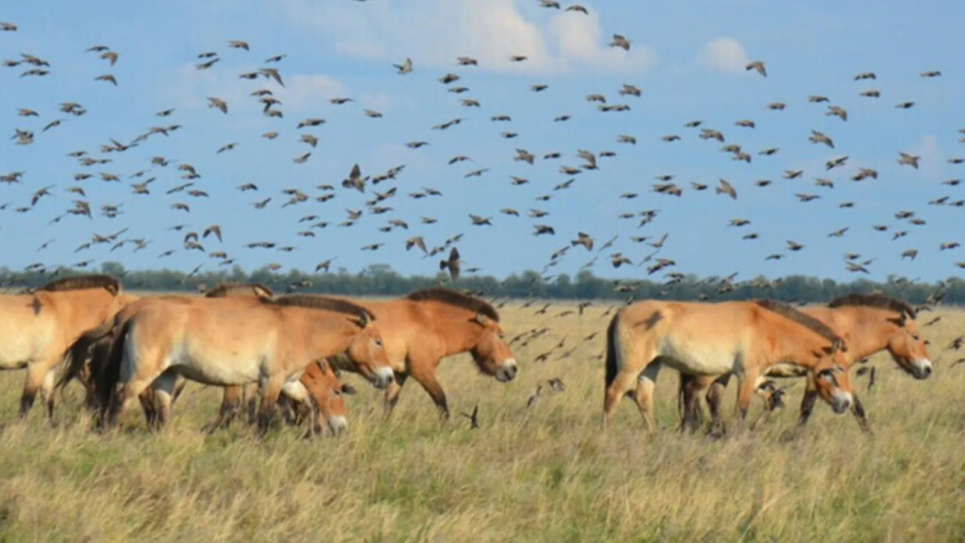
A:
(20, 348)
(698, 358)
(786, 370)
(223, 370)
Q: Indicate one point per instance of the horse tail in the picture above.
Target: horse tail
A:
(108, 374)
(77, 354)
(614, 356)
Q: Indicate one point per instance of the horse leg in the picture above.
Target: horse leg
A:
(271, 389)
(615, 391)
(47, 394)
(429, 382)
(748, 384)
(643, 394)
(393, 391)
(691, 386)
(807, 402)
(122, 401)
(148, 400)
(163, 388)
(715, 398)
(230, 404)
(251, 403)
(36, 378)
(859, 413)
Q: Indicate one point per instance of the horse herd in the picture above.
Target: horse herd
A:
(292, 348)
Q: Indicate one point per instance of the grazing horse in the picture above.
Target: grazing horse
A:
(869, 323)
(37, 327)
(318, 397)
(744, 338)
(423, 328)
(236, 341)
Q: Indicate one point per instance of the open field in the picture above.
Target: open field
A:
(545, 473)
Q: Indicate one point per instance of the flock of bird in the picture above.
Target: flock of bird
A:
(315, 210)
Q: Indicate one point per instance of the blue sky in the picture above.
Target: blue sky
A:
(688, 58)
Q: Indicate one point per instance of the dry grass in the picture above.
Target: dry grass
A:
(546, 473)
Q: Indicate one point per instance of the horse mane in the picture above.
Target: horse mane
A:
(875, 299)
(797, 316)
(225, 290)
(106, 282)
(311, 301)
(454, 298)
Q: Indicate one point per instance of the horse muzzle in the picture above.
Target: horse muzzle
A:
(337, 425)
(841, 402)
(382, 377)
(507, 372)
(922, 369)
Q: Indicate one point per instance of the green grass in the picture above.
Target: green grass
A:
(547, 473)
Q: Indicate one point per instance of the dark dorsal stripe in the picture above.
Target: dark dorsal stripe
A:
(310, 301)
(803, 319)
(106, 282)
(225, 290)
(454, 298)
(875, 299)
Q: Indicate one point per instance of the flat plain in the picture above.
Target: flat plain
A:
(547, 472)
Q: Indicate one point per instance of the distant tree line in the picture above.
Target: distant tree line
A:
(381, 280)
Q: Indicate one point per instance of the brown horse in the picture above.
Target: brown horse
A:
(317, 398)
(743, 338)
(88, 353)
(422, 329)
(235, 341)
(869, 323)
(37, 327)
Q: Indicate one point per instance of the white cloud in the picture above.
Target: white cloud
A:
(725, 55)
(304, 92)
(931, 157)
(189, 88)
(580, 44)
(489, 31)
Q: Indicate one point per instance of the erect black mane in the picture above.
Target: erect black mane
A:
(228, 289)
(454, 298)
(321, 302)
(797, 316)
(875, 299)
(82, 282)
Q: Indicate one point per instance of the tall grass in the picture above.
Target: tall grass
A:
(544, 473)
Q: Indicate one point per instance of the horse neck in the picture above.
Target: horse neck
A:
(865, 330)
(328, 333)
(87, 308)
(454, 326)
(794, 345)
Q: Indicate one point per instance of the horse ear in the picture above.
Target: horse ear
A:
(364, 319)
(900, 321)
(481, 319)
(348, 389)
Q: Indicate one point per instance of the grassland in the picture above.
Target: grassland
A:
(545, 473)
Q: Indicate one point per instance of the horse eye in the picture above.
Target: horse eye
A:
(916, 338)
(378, 342)
(336, 393)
